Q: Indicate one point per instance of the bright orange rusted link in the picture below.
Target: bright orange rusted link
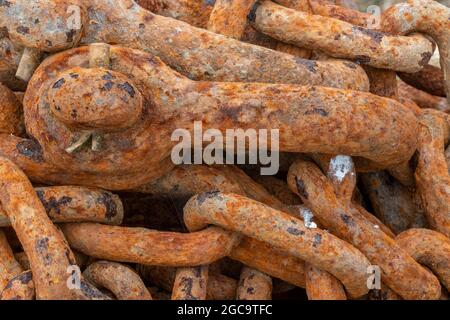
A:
(49, 254)
(341, 39)
(122, 281)
(190, 283)
(425, 16)
(144, 246)
(277, 263)
(200, 54)
(320, 285)
(279, 229)
(229, 17)
(254, 285)
(77, 204)
(175, 104)
(21, 287)
(399, 270)
(432, 177)
(429, 248)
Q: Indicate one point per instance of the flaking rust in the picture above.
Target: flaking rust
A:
(172, 101)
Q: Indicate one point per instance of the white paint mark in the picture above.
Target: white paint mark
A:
(340, 166)
(308, 216)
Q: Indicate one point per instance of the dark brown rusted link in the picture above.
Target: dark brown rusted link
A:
(393, 203)
(382, 82)
(49, 254)
(320, 285)
(113, 160)
(144, 246)
(237, 213)
(341, 39)
(423, 99)
(274, 262)
(9, 60)
(77, 204)
(425, 16)
(220, 287)
(254, 285)
(21, 287)
(190, 283)
(430, 80)
(432, 177)
(279, 189)
(119, 279)
(399, 271)
(11, 116)
(117, 110)
(199, 53)
(429, 248)
(9, 267)
(323, 8)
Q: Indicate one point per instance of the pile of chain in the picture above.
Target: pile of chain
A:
(92, 205)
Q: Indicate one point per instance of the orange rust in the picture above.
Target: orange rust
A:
(399, 271)
(254, 285)
(49, 253)
(11, 114)
(432, 177)
(320, 285)
(219, 287)
(429, 248)
(121, 280)
(282, 231)
(190, 283)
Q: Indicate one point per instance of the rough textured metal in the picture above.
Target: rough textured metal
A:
(200, 54)
(298, 111)
(320, 285)
(77, 204)
(219, 287)
(432, 178)
(121, 280)
(430, 79)
(399, 271)
(254, 285)
(425, 16)
(49, 254)
(144, 246)
(21, 287)
(429, 248)
(341, 39)
(422, 98)
(190, 283)
(280, 230)
(11, 114)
